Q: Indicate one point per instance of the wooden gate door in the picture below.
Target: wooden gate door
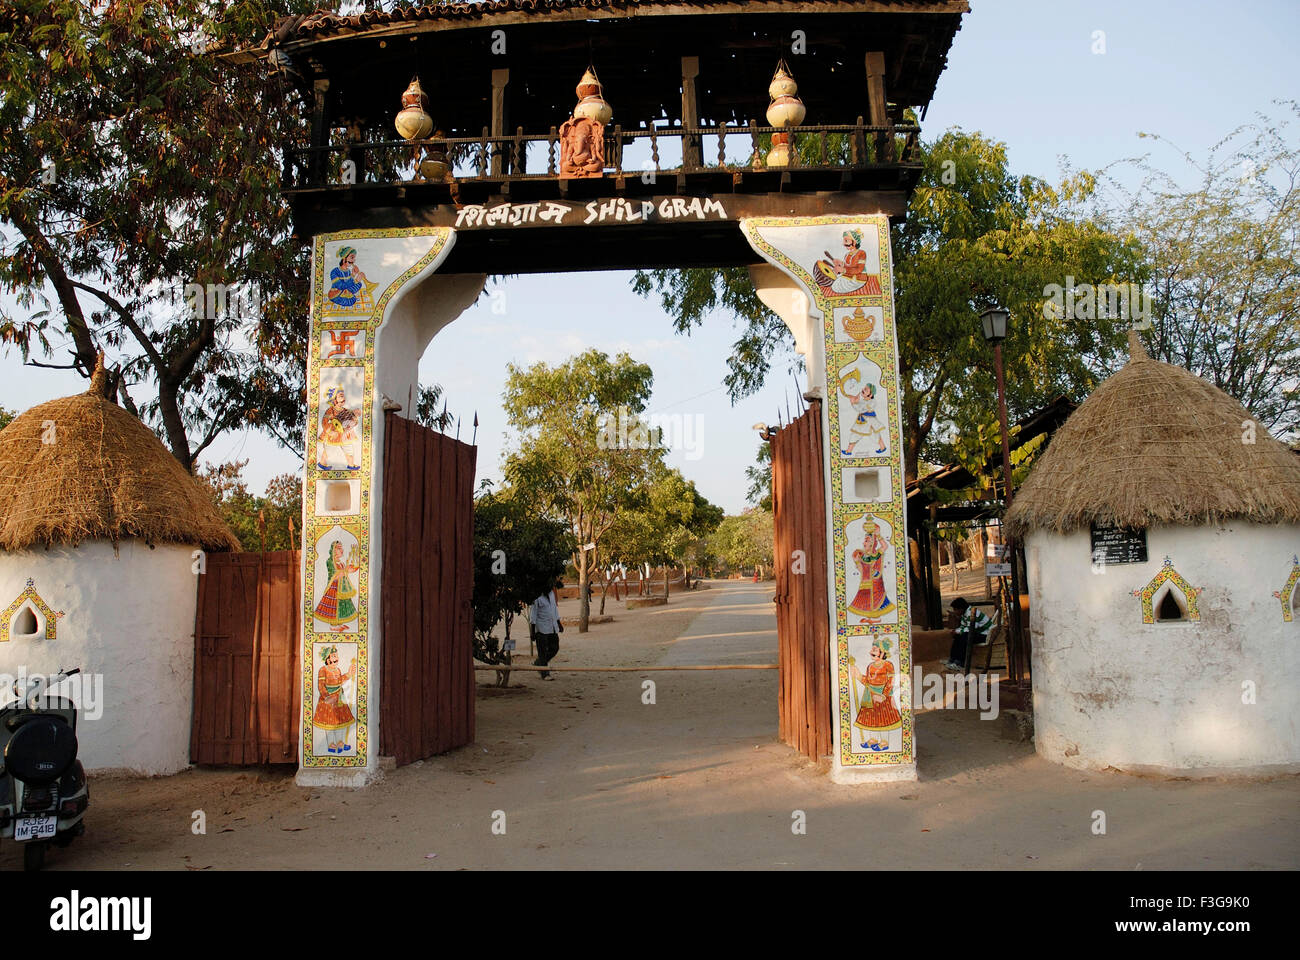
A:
(802, 615)
(246, 659)
(427, 700)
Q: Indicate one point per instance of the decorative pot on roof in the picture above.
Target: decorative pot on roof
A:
(785, 110)
(591, 104)
(413, 121)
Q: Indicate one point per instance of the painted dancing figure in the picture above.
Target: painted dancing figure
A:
(337, 605)
(866, 424)
(871, 601)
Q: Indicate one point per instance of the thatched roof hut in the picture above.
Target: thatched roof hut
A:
(82, 468)
(1155, 444)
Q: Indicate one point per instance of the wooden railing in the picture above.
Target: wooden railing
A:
(825, 147)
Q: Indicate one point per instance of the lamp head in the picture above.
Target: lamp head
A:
(994, 320)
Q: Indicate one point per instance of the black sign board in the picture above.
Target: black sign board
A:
(1118, 544)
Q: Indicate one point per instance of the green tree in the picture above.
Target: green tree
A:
(137, 170)
(272, 521)
(583, 452)
(670, 526)
(975, 234)
(760, 478)
(1225, 266)
(518, 554)
(745, 540)
(5, 417)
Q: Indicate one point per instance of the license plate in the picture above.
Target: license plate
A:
(35, 828)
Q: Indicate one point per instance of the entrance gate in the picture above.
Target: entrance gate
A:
(515, 179)
(799, 520)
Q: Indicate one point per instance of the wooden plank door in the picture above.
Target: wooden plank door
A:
(803, 619)
(246, 659)
(427, 672)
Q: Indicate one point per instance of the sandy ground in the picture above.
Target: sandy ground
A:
(584, 774)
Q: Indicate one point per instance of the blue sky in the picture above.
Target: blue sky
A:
(1021, 71)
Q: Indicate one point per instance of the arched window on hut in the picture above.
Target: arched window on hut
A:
(1171, 606)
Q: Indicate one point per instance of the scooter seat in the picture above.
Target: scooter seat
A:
(41, 750)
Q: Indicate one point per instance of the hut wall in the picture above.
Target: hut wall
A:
(1173, 697)
(128, 622)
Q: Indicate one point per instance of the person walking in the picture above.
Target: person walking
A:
(544, 618)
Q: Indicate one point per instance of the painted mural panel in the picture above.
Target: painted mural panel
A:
(355, 276)
(334, 715)
(864, 412)
(844, 263)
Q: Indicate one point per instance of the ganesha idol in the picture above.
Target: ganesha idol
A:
(582, 136)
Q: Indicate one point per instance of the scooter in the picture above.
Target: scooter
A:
(43, 789)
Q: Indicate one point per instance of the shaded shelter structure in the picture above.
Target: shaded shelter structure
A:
(1162, 528)
(930, 504)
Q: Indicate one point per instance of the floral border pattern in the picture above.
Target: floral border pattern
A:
(1168, 574)
(29, 593)
(1289, 588)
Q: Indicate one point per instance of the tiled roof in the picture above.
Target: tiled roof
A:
(325, 23)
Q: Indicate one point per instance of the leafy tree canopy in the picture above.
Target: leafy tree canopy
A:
(139, 170)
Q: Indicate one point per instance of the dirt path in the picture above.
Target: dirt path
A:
(587, 775)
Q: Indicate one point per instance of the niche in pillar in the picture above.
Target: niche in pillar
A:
(838, 299)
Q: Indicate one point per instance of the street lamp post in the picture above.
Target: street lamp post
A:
(994, 321)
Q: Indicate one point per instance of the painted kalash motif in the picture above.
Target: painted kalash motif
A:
(1288, 592)
(356, 277)
(843, 266)
(1174, 581)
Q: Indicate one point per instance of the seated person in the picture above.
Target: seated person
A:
(972, 629)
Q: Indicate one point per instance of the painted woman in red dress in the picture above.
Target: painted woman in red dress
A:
(876, 713)
(331, 712)
(871, 601)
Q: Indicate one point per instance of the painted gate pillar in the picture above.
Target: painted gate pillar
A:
(835, 291)
(375, 305)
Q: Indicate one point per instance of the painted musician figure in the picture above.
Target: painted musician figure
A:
(338, 428)
(847, 275)
(349, 289)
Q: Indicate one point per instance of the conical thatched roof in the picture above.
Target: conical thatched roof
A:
(104, 476)
(1156, 444)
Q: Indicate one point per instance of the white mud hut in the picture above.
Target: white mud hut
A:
(98, 527)
(1162, 530)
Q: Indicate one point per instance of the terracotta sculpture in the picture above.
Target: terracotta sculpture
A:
(582, 148)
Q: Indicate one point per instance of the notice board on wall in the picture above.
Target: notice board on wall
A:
(1112, 545)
